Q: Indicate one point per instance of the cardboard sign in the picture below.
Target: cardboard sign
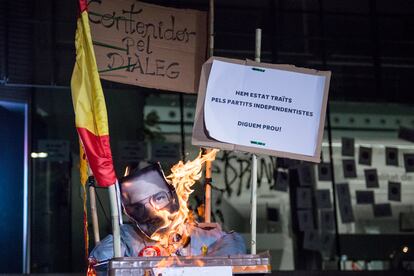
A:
(148, 45)
(261, 108)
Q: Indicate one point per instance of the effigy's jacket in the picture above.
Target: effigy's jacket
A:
(218, 243)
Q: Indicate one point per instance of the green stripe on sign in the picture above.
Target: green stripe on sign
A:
(116, 68)
(108, 46)
(258, 69)
(257, 143)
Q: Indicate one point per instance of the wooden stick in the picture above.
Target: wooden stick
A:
(253, 215)
(207, 204)
(207, 192)
(211, 29)
(94, 214)
(115, 220)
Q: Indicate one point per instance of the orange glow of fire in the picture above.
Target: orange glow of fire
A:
(183, 177)
(199, 263)
(168, 261)
(175, 261)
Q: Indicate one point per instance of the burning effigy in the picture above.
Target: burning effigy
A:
(162, 223)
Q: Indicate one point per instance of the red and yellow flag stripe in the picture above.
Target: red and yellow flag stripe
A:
(89, 105)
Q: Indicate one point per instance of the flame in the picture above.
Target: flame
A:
(183, 177)
(199, 262)
(169, 261)
(175, 261)
(91, 267)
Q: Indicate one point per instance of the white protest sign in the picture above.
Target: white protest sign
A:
(191, 271)
(262, 108)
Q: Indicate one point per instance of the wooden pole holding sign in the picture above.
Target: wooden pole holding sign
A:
(94, 214)
(92, 203)
(207, 192)
(258, 45)
(253, 215)
(211, 29)
(207, 203)
(113, 201)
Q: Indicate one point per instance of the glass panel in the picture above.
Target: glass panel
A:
(379, 200)
(13, 186)
(57, 214)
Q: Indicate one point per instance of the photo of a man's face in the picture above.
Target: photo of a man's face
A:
(144, 194)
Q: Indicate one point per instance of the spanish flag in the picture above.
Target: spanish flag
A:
(89, 104)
